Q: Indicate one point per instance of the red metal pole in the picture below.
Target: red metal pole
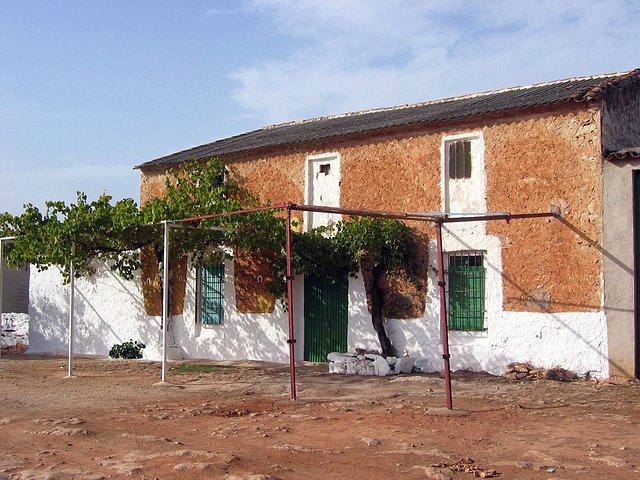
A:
(277, 206)
(291, 341)
(444, 331)
(508, 216)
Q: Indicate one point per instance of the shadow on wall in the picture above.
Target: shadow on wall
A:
(240, 337)
(596, 345)
(108, 310)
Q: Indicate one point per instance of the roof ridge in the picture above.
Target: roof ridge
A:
(624, 75)
(572, 89)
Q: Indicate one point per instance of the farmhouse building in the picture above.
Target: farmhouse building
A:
(556, 291)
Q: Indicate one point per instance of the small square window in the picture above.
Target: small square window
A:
(460, 159)
(325, 168)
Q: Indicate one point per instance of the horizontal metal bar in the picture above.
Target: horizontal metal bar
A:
(348, 211)
(456, 214)
(278, 206)
(424, 217)
(443, 217)
(7, 239)
(505, 216)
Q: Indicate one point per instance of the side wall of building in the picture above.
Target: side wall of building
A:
(620, 130)
(619, 268)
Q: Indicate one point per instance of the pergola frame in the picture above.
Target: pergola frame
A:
(436, 218)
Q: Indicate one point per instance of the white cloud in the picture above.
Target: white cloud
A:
(353, 54)
(215, 12)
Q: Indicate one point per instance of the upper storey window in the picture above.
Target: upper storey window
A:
(322, 189)
(463, 176)
(460, 159)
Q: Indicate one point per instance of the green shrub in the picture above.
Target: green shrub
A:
(128, 349)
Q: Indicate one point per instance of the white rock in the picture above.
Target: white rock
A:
(8, 341)
(352, 368)
(336, 367)
(404, 365)
(335, 357)
(371, 356)
(367, 369)
(391, 360)
(341, 357)
(381, 367)
(15, 331)
(424, 365)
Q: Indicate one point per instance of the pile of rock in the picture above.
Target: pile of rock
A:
(368, 364)
(14, 335)
(526, 371)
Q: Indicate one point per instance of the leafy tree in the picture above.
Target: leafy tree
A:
(115, 232)
(99, 229)
(383, 245)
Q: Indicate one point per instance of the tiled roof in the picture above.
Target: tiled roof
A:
(581, 89)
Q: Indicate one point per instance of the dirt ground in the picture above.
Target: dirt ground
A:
(236, 421)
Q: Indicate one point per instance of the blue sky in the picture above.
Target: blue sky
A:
(88, 89)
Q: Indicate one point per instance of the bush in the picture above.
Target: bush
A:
(128, 349)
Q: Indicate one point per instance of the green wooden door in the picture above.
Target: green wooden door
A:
(325, 316)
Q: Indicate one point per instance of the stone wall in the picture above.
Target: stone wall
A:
(544, 276)
(14, 334)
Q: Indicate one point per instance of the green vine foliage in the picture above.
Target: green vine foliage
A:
(99, 229)
(331, 251)
(114, 232)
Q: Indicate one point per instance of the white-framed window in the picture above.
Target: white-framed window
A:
(463, 175)
(322, 188)
(465, 280)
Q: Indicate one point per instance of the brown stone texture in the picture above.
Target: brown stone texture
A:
(534, 161)
(399, 172)
(535, 164)
(178, 280)
(152, 184)
(252, 279)
(151, 282)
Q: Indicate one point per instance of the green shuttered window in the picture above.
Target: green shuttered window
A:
(211, 294)
(466, 278)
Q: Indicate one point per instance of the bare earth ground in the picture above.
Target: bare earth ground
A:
(237, 422)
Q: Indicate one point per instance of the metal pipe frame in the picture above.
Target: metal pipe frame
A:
(438, 219)
(291, 341)
(72, 291)
(165, 298)
(444, 329)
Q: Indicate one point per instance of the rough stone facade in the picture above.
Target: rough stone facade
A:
(535, 161)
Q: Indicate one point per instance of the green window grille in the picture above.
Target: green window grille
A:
(212, 294)
(460, 159)
(466, 278)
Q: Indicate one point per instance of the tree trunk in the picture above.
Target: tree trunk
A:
(377, 317)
